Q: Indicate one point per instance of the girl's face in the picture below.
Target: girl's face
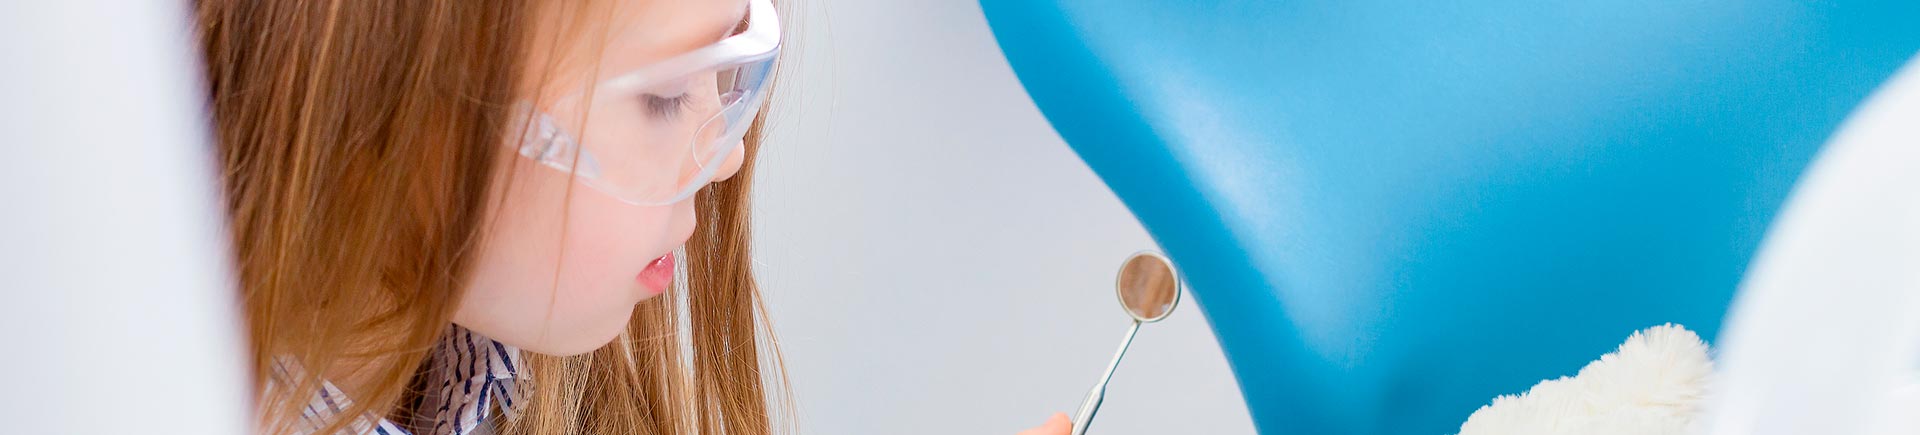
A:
(562, 265)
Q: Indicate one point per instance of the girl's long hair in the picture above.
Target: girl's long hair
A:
(358, 140)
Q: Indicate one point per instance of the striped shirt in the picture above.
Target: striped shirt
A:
(472, 375)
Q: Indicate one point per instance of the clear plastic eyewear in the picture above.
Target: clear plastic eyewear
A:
(660, 133)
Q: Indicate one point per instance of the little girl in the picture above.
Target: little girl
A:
(497, 216)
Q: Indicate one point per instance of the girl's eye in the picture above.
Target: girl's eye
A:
(667, 107)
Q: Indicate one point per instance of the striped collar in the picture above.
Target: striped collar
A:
(472, 374)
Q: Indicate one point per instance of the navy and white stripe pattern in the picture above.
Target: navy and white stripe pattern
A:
(329, 402)
(472, 374)
(475, 372)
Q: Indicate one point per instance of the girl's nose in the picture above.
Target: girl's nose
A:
(735, 157)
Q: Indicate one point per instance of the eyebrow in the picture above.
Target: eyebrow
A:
(739, 24)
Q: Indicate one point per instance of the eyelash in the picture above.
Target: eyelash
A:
(666, 107)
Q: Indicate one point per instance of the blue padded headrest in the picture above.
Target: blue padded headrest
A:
(1393, 211)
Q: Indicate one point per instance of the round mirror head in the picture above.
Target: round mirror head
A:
(1148, 287)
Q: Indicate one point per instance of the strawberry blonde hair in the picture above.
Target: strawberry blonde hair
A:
(358, 139)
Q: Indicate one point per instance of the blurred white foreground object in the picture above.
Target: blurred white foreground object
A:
(1650, 385)
(1827, 322)
(118, 311)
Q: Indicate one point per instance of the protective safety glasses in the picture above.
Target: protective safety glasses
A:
(660, 133)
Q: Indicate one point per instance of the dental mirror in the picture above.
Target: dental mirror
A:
(1148, 288)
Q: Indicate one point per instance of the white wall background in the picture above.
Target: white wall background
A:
(118, 313)
(937, 260)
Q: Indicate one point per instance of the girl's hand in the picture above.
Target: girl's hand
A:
(1056, 425)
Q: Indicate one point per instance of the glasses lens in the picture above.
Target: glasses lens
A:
(739, 91)
(658, 144)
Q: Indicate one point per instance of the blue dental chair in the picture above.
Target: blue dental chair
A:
(1392, 212)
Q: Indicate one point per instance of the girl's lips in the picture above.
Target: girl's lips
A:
(658, 274)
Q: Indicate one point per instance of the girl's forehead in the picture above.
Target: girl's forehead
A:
(646, 31)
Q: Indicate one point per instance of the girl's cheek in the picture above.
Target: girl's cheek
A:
(594, 238)
(522, 234)
(620, 237)
(556, 271)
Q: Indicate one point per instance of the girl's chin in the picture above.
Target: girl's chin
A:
(575, 344)
(569, 336)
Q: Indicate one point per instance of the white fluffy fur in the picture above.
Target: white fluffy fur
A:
(1652, 385)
